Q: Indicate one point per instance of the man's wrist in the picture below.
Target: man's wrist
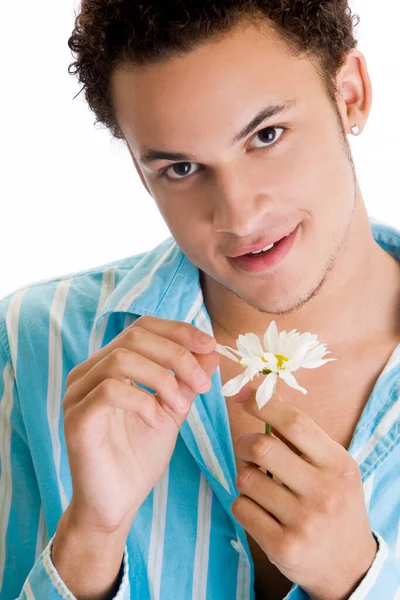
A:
(88, 562)
(347, 588)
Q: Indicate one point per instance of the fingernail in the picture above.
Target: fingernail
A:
(200, 377)
(181, 402)
(203, 338)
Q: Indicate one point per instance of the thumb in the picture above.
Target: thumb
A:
(209, 363)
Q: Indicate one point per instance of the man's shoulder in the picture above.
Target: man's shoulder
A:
(31, 307)
(385, 234)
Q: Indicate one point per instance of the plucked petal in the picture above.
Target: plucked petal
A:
(234, 351)
(225, 352)
(291, 380)
(265, 390)
(249, 344)
(233, 386)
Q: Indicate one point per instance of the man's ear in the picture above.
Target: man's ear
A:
(354, 91)
(138, 169)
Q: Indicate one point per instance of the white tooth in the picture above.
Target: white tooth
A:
(263, 249)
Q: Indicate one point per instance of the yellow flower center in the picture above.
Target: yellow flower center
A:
(280, 360)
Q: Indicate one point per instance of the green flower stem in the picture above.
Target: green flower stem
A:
(268, 432)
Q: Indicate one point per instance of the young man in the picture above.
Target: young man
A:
(236, 115)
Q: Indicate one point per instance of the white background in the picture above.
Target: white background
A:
(70, 197)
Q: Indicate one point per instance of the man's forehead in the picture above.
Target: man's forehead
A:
(239, 57)
(213, 87)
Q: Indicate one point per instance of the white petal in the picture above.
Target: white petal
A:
(225, 352)
(316, 363)
(288, 342)
(252, 360)
(299, 345)
(293, 364)
(250, 344)
(271, 339)
(290, 380)
(307, 348)
(313, 357)
(266, 389)
(234, 350)
(272, 362)
(307, 345)
(233, 386)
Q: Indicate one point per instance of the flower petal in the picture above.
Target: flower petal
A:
(253, 361)
(271, 339)
(313, 364)
(272, 362)
(266, 389)
(290, 380)
(225, 352)
(252, 371)
(250, 344)
(312, 358)
(233, 386)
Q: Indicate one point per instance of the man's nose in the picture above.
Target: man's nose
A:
(239, 205)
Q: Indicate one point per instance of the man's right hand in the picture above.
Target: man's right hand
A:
(117, 447)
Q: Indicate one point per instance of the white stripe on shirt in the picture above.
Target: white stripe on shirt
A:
(156, 549)
(55, 377)
(201, 559)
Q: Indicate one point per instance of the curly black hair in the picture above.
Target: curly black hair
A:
(108, 33)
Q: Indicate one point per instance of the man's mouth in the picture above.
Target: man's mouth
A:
(268, 257)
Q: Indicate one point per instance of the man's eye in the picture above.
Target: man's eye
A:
(268, 136)
(265, 137)
(179, 170)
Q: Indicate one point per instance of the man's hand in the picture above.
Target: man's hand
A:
(117, 449)
(313, 524)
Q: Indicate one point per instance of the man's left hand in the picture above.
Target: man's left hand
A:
(319, 535)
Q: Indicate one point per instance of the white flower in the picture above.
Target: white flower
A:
(283, 354)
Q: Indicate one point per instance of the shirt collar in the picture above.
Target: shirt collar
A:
(163, 283)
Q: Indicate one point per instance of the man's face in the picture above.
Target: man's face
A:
(291, 169)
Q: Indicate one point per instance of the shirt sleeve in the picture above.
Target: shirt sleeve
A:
(383, 577)
(44, 581)
(26, 574)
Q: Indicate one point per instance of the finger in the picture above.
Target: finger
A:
(123, 364)
(273, 455)
(261, 525)
(112, 394)
(171, 356)
(208, 362)
(273, 497)
(298, 428)
(177, 331)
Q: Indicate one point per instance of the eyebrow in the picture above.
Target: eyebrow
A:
(153, 154)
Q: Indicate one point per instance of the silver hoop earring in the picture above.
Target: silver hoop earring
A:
(355, 130)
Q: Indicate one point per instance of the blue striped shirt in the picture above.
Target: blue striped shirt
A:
(184, 542)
